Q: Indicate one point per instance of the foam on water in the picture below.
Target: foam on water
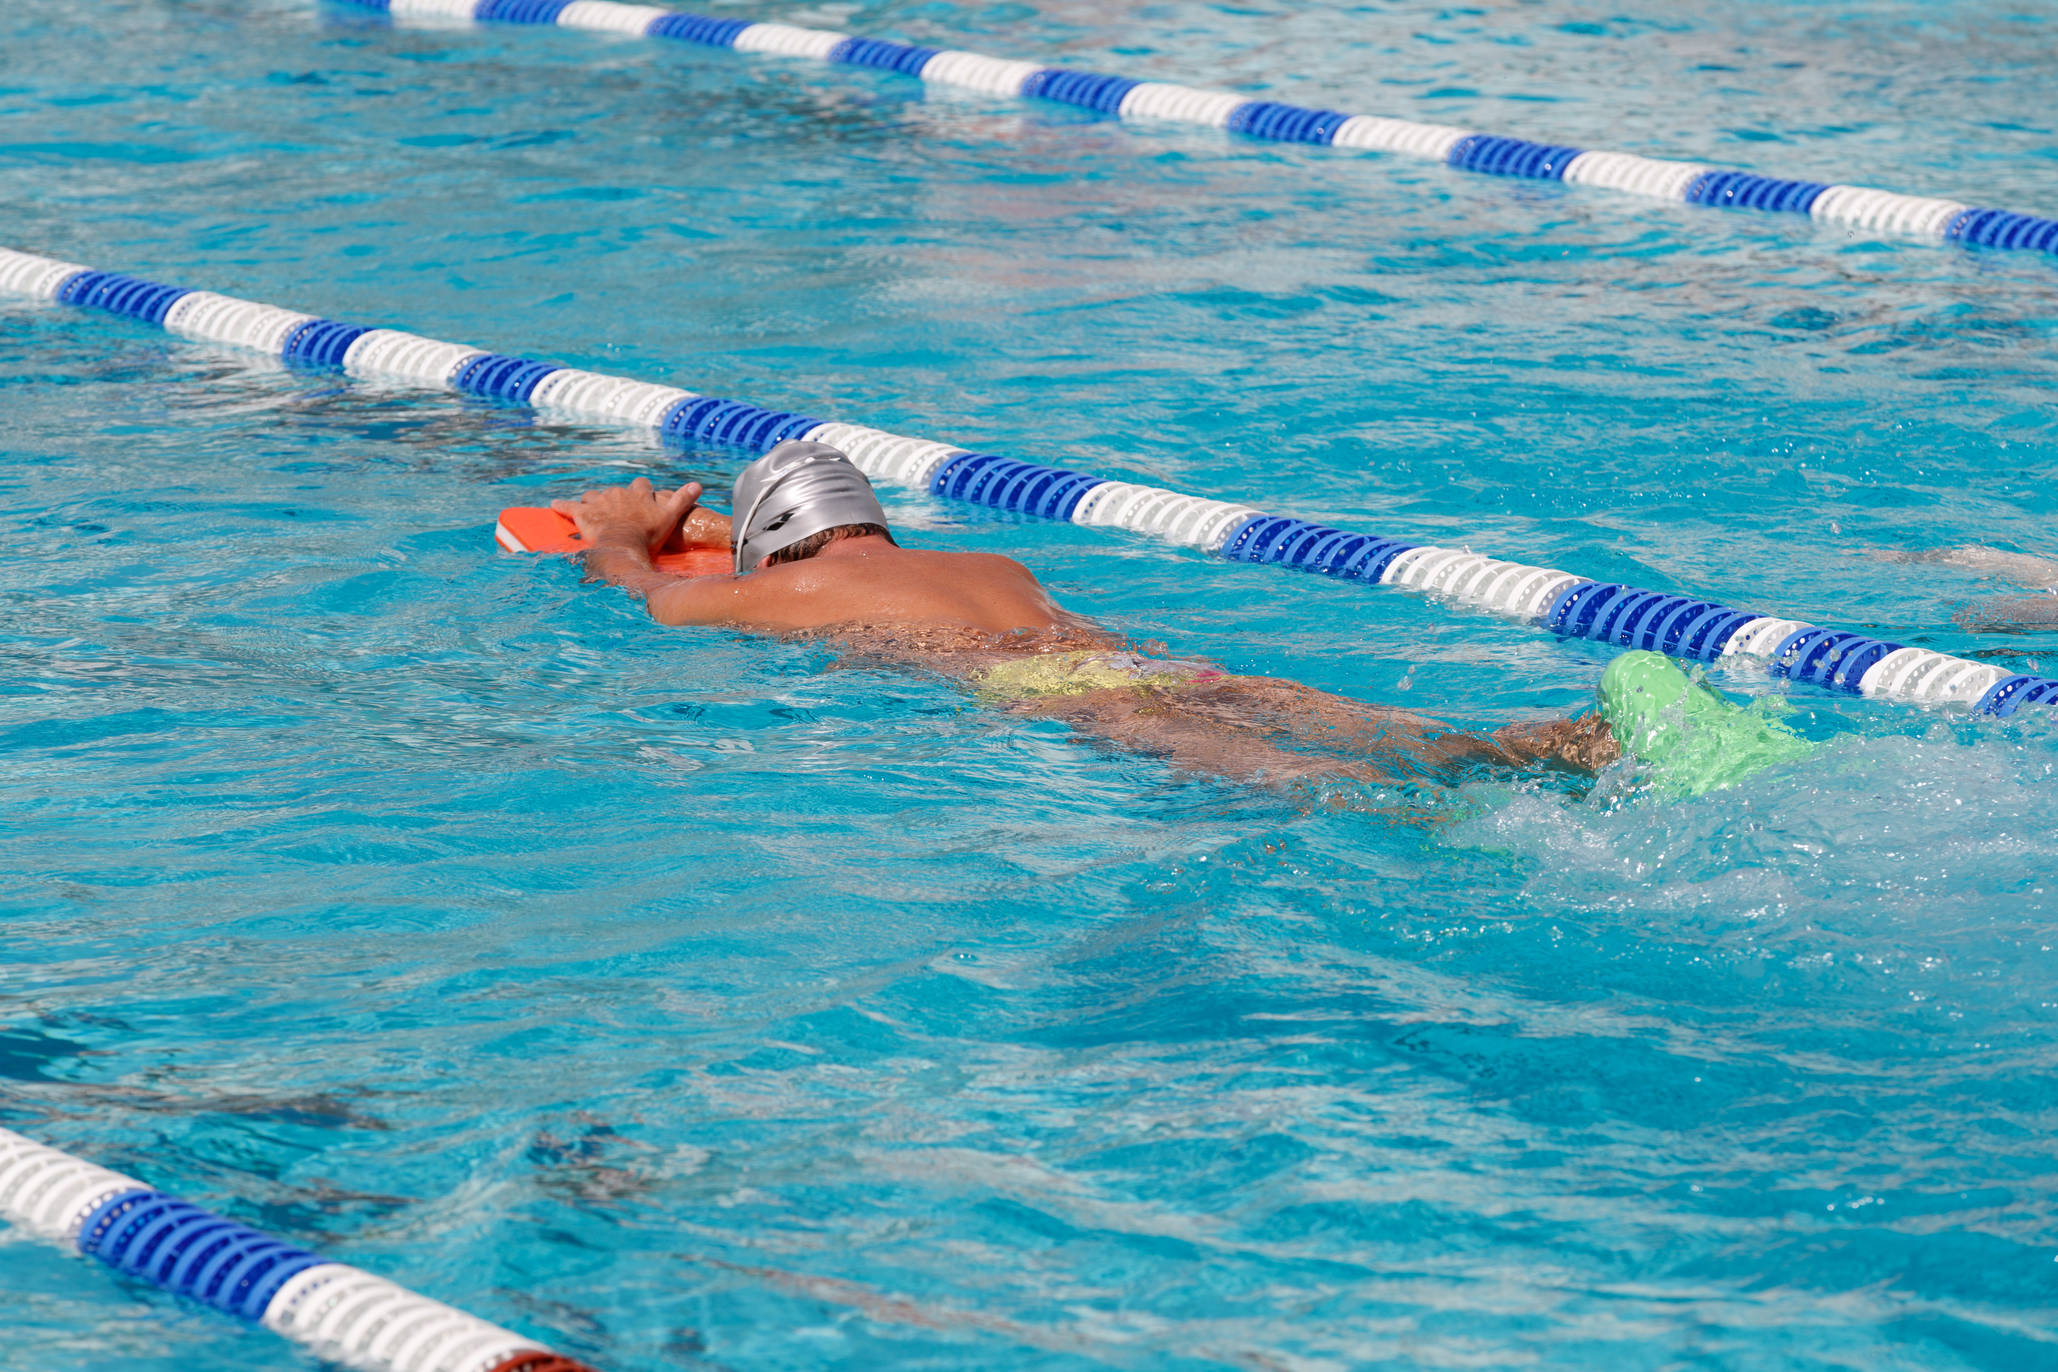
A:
(692, 1003)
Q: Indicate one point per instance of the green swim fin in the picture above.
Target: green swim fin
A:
(1692, 740)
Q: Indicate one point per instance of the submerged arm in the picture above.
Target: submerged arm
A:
(701, 528)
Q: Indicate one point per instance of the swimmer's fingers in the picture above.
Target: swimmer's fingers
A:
(613, 509)
(678, 504)
(585, 502)
(672, 509)
(581, 507)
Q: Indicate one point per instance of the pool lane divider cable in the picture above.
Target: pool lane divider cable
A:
(1570, 606)
(337, 1311)
(1856, 208)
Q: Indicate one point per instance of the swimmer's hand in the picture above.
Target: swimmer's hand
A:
(623, 526)
(637, 515)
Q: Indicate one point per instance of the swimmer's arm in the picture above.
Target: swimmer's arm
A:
(620, 557)
(703, 600)
(702, 528)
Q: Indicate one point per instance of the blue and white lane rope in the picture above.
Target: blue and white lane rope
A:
(342, 1314)
(1857, 208)
(1570, 606)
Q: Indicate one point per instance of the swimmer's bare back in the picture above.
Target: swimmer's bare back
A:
(955, 612)
(868, 580)
(865, 580)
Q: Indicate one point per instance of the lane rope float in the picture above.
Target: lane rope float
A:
(1679, 626)
(340, 1312)
(1854, 208)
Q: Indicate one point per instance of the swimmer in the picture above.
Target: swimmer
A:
(1995, 614)
(813, 557)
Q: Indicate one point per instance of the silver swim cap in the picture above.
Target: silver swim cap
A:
(795, 490)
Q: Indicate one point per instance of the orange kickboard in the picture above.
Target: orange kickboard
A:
(524, 529)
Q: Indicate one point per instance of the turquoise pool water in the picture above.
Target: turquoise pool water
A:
(691, 1004)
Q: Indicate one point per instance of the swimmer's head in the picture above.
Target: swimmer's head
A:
(797, 499)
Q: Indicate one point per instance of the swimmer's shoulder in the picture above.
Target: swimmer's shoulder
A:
(897, 563)
(989, 564)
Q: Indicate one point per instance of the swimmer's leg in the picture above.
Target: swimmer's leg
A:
(1197, 736)
(1275, 708)
(1353, 728)
(1313, 716)
(1236, 727)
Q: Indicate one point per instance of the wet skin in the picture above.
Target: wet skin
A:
(957, 614)
(2022, 614)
